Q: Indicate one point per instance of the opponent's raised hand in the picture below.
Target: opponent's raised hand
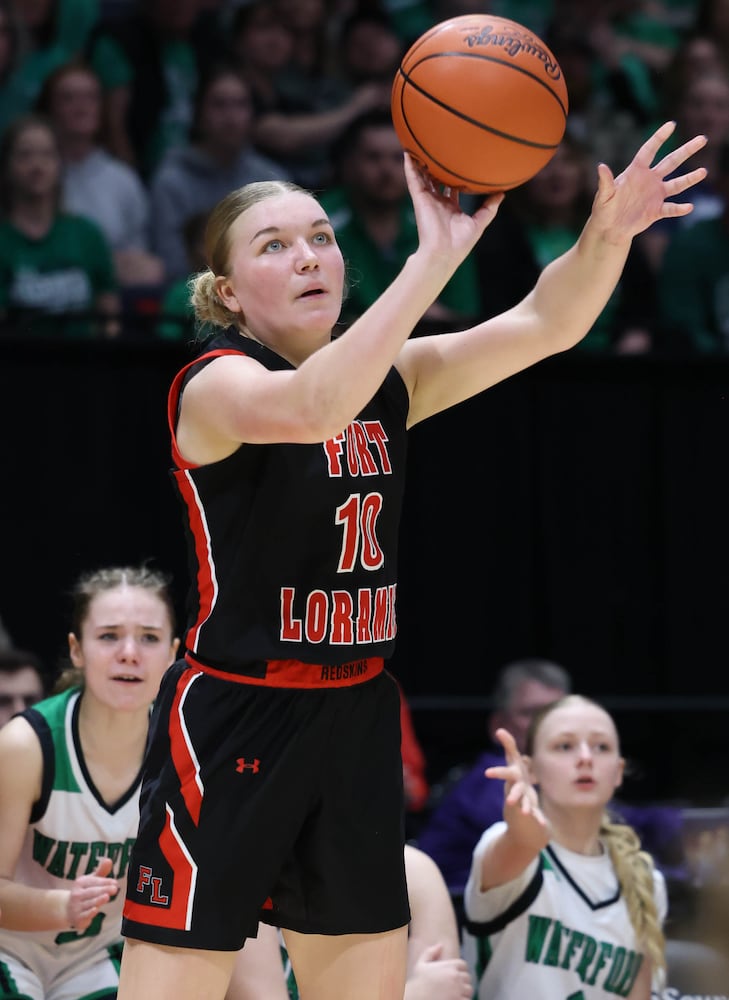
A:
(521, 803)
(631, 202)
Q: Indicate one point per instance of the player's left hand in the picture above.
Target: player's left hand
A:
(631, 202)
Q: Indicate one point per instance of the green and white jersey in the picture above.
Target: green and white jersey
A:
(70, 829)
(560, 931)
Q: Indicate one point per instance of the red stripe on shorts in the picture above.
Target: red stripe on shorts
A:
(182, 752)
(178, 915)
(295, 674)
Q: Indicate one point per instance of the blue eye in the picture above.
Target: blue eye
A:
(322, 238)
(273, 246)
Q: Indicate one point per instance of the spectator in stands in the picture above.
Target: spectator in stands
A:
(704, 106)
(218, 158)
(177, 315)
(368, 48)
(22, 681)
(10, 55)
(712, 20)
(374, 221)
(56, 270)
(696, 54)
(536, 223)
(96, 184)
(309, 26)
(149, 62)
(298, 114)
(470, 804)
(39, 37)
(599, 116)
(693, 280)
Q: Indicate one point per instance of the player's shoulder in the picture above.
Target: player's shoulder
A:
(20, 750)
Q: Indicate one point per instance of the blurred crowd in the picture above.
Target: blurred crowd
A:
(122, 122)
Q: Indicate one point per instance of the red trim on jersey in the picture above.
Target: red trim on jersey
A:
(179, 914)
(182, 752)
(295, 674)
(207, 584)
(173, 399)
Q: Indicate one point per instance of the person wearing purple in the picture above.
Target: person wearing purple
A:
(472, 803)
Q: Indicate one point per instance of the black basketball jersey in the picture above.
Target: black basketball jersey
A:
(292, 548)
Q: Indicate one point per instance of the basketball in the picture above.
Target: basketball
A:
(480, 102)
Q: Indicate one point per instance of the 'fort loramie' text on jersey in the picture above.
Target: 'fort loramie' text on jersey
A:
(71, 828)
(282, 571)
(560, 931)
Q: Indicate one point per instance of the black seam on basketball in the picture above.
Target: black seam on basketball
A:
(466, 118)
(476, 55)
(470, 183)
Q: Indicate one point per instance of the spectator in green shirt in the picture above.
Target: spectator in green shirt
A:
(693, 280)
(41, 36)
(56, 269)
(149, 62)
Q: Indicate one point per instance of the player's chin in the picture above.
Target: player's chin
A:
(322, 310)
(130, 696)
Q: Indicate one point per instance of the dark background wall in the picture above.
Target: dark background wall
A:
(578, 511)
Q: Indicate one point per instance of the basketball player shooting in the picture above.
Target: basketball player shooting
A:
(289, 447)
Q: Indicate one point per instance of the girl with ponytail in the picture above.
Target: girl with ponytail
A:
(561, 902)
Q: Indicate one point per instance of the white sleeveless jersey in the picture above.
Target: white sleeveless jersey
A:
(560, 931)
(70, 829)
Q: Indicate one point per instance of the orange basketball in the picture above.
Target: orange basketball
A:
(480, 101)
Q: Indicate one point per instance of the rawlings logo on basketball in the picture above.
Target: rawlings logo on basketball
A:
(513, 44)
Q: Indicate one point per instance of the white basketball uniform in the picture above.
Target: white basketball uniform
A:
(70, 829)
(560, 931)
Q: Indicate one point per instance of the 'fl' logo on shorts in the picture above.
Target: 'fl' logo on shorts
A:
(147, 879)
(244, 765)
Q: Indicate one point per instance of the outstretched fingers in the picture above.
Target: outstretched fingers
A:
(676, 157)
(649, 150)
(675, 185)
(672, 209)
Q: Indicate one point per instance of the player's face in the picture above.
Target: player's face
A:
(286, 273)
(576, 757)
(125, 646)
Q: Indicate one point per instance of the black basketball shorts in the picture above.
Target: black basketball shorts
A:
(268, 803)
